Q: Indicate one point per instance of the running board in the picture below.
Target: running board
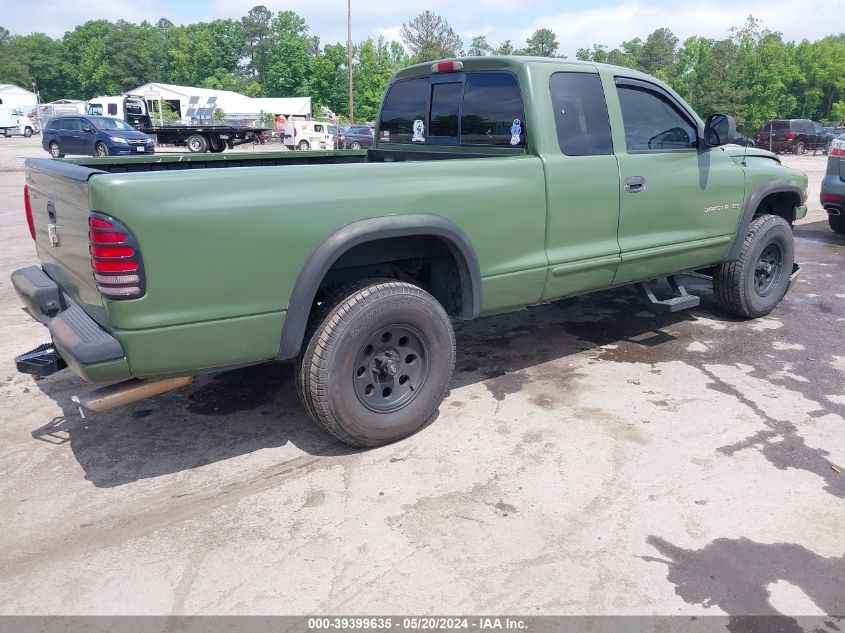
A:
(682, 300)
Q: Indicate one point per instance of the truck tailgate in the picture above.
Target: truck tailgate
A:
(58, 194)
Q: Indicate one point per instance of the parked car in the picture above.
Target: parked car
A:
(797, 136)
(833, 185)
(484, 192)
(13, 122)
(360, 137)
(745, 141)
(94, 135)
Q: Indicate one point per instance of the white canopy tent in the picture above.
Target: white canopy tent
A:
(13, 95)
(192, 102)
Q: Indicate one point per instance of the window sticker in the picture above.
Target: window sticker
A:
(516, 132)
(384, 135)
(419, 132)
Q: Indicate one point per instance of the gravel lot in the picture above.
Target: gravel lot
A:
(592, 458)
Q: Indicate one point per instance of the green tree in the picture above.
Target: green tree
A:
(290, 57)
(430, 37)
(657, 55)
(542, 43)
(505, 48)
(257, 27)
(479, 46)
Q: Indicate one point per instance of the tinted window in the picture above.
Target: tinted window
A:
(652, 122)
(405, 103)
(583, 128)
(70, 124)
(492, 102)
(318, 128)
(445, 101)
(112, 109)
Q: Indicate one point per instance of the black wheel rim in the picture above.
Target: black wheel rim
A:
(769, 269)
(390, 368)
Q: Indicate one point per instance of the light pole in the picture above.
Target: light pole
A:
(349, 56)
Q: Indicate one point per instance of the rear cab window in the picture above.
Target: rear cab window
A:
(483, 108)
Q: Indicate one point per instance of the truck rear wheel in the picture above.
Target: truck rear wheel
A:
(378, 363)
(197, 143)
(754, 284)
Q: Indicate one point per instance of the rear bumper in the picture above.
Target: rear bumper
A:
(88, 349)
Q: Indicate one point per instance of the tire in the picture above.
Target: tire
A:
(378, 363)
(27, 132)
(355, 145)
(303, 146)
(197, 143)
(754, 284)
(7, 133)
(100, 149)
(217, 150)
(799, 148)
(55, 150)
(837, 223)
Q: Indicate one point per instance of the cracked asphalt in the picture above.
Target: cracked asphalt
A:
(592, 458)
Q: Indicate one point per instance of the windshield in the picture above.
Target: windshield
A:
(106, 123)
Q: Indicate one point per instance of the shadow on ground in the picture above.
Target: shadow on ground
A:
(734, 575)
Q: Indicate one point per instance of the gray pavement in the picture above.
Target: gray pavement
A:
(592, 458)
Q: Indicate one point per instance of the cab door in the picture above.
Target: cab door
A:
(679, 204)
(582, 185)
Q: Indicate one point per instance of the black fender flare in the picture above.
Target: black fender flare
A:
(340, 241)
(776, 186)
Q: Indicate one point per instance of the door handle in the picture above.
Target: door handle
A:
(634, 184)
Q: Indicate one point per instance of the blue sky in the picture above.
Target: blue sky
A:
(576, 23)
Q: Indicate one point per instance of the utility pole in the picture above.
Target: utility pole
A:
(349, 56)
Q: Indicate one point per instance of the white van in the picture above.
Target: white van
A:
(306, 135)
(14, 121)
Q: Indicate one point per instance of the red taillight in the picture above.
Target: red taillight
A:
(791, 136)
(98, 223)
(112, 251)
(114, 267)
(98, 237)
(837, 149)
(447, 67)
(28, 208)
(115, 258)
(830, 196)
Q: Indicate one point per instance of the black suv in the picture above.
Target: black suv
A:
(797, 136)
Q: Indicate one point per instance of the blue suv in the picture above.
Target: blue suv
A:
(94, 135)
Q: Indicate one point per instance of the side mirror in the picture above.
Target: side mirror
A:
(719, 129)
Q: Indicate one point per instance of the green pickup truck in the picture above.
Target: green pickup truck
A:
(493, 183)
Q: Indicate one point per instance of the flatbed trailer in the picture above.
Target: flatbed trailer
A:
(203, 138)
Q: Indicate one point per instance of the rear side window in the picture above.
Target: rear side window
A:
(405, 103)
(70, 124)
(583, 128)
(492, 110)
(112, 109)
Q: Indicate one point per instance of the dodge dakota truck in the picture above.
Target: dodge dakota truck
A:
(493, 184)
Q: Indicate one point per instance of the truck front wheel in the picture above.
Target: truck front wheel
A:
(754, 284)
(197, 143)
(378, 363)
(27, 132)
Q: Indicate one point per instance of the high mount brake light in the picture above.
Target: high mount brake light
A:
(447, 67)
(115, 259)
(28, 209)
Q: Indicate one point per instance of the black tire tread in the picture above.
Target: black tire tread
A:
(327, 333)
(728, 282)
(837, 223)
